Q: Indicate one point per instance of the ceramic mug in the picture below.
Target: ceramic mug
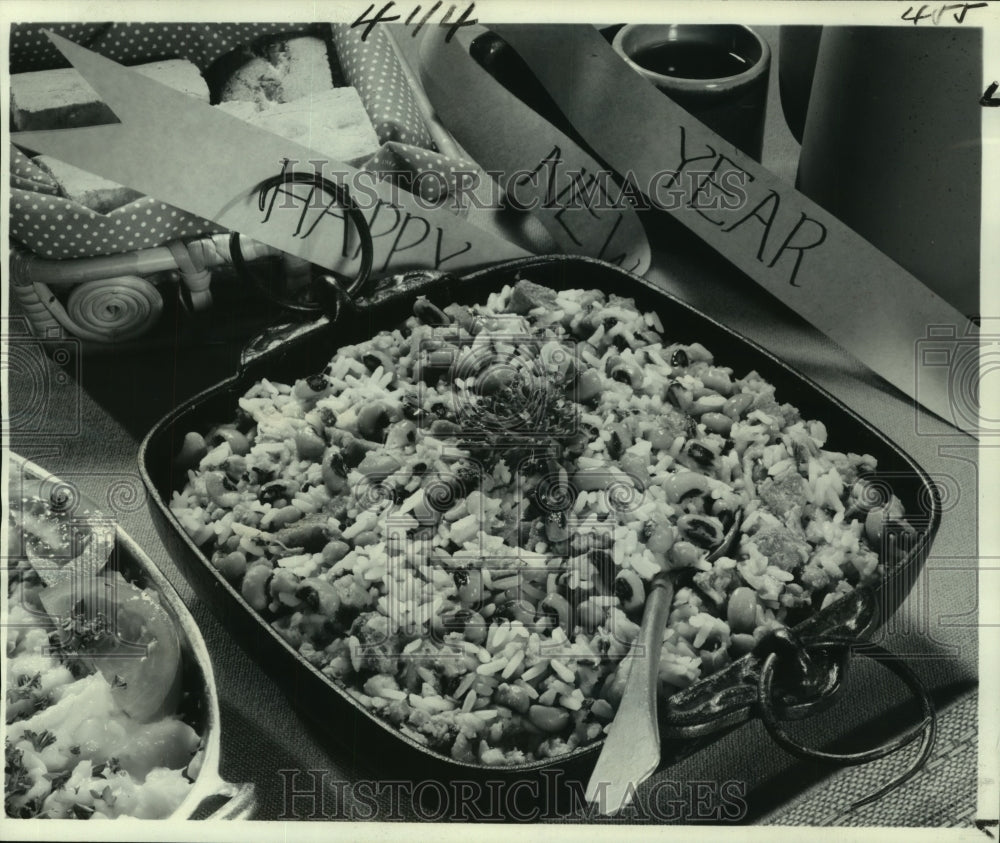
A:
(719, 74)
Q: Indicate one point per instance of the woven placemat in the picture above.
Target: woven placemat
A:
(942, 794)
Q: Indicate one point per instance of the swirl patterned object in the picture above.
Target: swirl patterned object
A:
(114, 309)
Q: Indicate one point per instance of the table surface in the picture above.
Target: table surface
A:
(87, 429)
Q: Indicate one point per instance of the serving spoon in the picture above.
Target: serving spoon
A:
(631, 751)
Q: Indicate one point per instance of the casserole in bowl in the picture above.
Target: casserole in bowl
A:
(111, 708)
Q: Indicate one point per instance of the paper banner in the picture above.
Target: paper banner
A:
(539, 168)
(200, 159)
(806, 257)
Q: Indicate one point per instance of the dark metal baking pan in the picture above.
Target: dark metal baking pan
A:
(718, 702)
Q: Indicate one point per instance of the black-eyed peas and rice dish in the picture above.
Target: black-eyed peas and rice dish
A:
(457, 520)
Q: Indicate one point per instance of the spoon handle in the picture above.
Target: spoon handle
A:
(631, 751)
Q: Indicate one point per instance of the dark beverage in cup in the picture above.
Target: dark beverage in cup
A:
(719, 74)
(691, 60)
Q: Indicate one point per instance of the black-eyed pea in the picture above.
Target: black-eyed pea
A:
(379, 464)
(677, 396)
(366, 538)
(284, 516)
(193, 450)
(548, 718)
(310, 533)
(741, 643)
(621, 439)
(698, 353)
(614, 685)
(461, 315)
(470, 586)
(401, 434)
(874, 525)
(700, 454)
(737, 405)
(353, 449)
(684, 554)
(429, 313)
(476, 628)
(235, 466)
(311, 388)
(283, 587)
(718, 423)
(662, 438)
(588, 386)
(557, 605)
(445, 427)
(741, 610)
(702, 530)
(335, 474)
(706, 404)
(470, 624)
(556, 527)
(714, 660)
(717, 379)
(679, 358)
(288, 628)
(881, 517)
(221, 490)
(232, 566)
(309, 444)
(602, 710)
(638, 467)
(661, 539)
(238, 442)
(630, 590)
(678, 486)
(589, 615)
(628, 373)
(441, 359)
(254, 586)
(521, 610)
(314, 626)
(373, 419)
(514, 697)
(276, 491)
(494, 380)
(319, 595)
(591, 480)
(375, 358)
(335, 551)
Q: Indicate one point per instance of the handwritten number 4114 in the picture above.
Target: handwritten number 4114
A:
(416, 19)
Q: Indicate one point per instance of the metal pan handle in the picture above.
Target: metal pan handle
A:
(277, 335)
(383, 290)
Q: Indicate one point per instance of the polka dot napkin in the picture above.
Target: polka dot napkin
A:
(372, 67)
(135, 43)
(54, 227)
(24, 174)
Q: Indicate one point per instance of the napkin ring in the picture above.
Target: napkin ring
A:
(332, 291)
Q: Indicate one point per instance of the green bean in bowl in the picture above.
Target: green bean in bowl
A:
(457, 520)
